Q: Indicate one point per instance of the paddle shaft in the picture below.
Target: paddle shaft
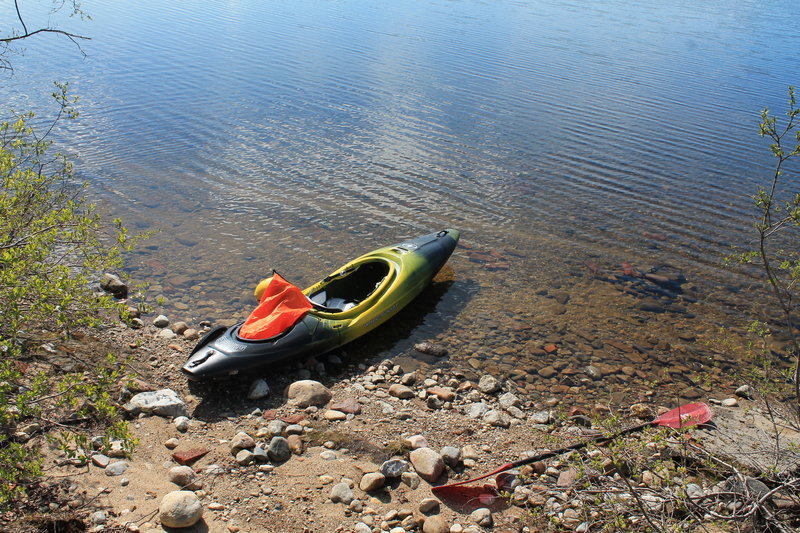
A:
(547, 455)
(601, 439)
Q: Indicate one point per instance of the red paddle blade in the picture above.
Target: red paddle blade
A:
(692, 414)
(463, 497)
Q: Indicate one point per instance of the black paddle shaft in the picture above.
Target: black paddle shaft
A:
(600, 439)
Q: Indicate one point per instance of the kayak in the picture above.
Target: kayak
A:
(351, 301)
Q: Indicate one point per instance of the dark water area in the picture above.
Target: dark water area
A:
(562, 138)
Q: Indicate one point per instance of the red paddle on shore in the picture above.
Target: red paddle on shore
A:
(693, 414)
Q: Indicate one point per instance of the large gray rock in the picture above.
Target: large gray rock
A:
(307, 392)
(164, 402)
(180, 508)
(427, 463)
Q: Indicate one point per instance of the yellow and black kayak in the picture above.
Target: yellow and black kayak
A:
(353, 300)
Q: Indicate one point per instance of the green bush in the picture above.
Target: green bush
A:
(52, 247)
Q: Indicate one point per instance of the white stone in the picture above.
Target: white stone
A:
(164, 402)
(181, 423)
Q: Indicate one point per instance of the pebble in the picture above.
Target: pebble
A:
(395, 468)
(342, 493)
(241, 441)
(730, 402)
(116, 468)
(167, 334)
(488, 384)
(408, 379)
(181, 423)
(245, 457)
(435, 524)
(172, 443)
(258, 389)
(508, 400)
(477, 410)
(279, 450)
(335, 416)
(99, 517)
(547, 372)
(497, 419)
(294, 429)
(427, 463)
(185, 477)
(371, 481)
(482, 517)
(99, 460)
(161, 321)
(275, 428)
(410, 479)
(400, 391)
(417, 441)
(350, 406)
(429, 505)
(541, 417)
(745, 391)
(451, 455)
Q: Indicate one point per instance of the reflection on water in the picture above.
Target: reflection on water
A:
(562, 140)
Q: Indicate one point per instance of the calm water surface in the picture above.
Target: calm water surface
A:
(562, 138)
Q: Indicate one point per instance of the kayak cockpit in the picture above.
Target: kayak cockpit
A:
(353, 288)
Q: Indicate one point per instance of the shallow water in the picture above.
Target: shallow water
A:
(561, 139)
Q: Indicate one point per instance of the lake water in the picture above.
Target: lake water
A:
(562, 138)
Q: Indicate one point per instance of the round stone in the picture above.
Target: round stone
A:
(372, 481)
(181, 424)
(180, 508)
(306, 392)
(482, 517)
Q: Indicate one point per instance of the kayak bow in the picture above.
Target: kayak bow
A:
(353, 300)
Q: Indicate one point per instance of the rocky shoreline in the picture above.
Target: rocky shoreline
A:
(330, 446)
